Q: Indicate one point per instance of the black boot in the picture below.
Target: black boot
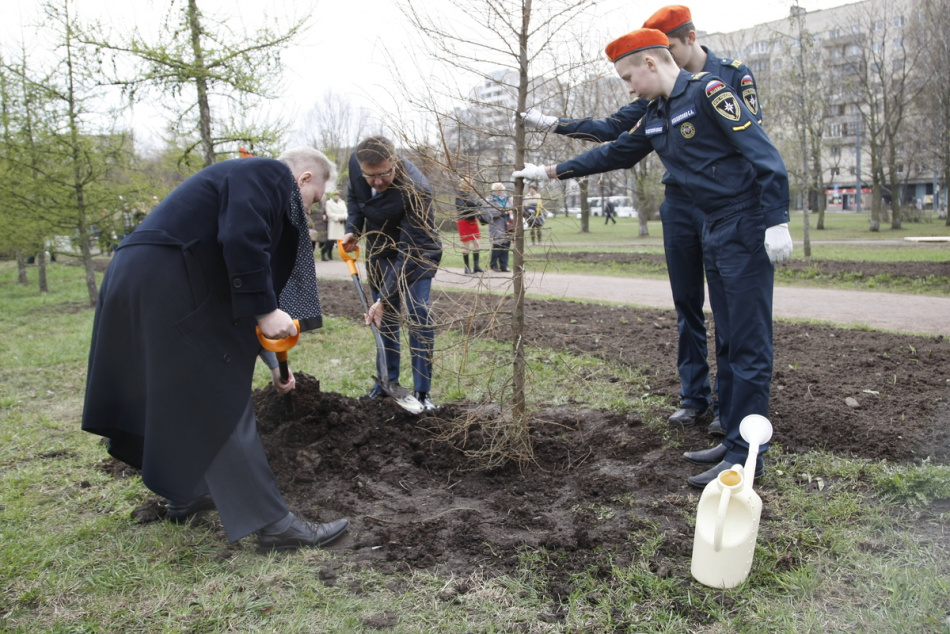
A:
(468, 270)
(477, 268)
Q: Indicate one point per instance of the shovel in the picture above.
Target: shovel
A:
(401, 395)
(280, 346)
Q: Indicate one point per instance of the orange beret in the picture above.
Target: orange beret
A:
(669, 18)
(636, 41)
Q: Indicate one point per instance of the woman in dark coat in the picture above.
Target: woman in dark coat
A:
(174, 342)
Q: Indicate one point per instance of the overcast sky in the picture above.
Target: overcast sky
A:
(354, 45)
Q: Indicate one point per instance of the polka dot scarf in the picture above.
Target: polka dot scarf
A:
(300, 297)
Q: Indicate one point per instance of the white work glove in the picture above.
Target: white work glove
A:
(778, 243)
(532, 172)
(537, 120)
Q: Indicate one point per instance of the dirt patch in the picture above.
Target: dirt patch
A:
(602, 482)
(851, 271)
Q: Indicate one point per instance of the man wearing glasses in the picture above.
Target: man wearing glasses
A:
(389, 202)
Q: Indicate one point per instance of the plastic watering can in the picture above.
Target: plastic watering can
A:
(727, 518)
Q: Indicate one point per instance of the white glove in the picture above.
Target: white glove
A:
(537, 120)
(778, 243)
(532, 172)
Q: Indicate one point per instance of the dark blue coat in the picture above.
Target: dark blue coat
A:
(736, 75)
(398, 224)
(173, 342)
(710, 143)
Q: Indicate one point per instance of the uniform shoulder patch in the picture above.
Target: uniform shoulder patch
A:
(727, 105)
(698, 75)
(637, 126)
(713, 87)
(736, 63)
(749, 97)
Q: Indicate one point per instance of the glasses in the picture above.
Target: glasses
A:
(381, 175)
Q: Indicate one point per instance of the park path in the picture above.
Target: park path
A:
(914, 314)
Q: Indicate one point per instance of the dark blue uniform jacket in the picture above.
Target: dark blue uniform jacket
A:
(710, 143)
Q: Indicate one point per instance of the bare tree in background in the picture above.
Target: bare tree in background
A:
(884, 86)
(334, 126)
(929, 29)
(508, 45)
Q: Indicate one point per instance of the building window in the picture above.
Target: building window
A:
(835, 171)
(835, 151)
(854, 50)
(855, 29)
(899, 20)
(877, 25)
(898, 43)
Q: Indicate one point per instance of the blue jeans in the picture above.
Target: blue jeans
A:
(421, 333)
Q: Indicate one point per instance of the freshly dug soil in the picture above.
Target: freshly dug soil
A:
(600, 481)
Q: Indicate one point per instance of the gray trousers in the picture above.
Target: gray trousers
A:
(242, 484)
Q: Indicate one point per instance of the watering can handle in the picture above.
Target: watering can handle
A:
(725, 495)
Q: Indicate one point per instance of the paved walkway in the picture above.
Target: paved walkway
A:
(917, 314)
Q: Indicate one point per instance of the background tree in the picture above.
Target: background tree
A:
(885, 88)
(930, 26)
(212, 80)
(336, 127)
(67, 152)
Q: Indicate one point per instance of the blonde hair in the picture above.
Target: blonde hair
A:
(498, 187)
(303, 158)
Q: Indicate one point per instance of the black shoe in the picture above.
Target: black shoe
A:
(715, 427)
(323, 257)
(427, 404)
(706, 456)
(700, 481)
(182, 514)
(468, 271)
(505, 270)
(496, 269)
(684, 417)
(376, 392)
(478, 269)
(302, 534)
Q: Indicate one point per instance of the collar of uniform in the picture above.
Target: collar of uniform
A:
(679, 87)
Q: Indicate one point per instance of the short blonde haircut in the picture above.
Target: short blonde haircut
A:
(495, 187)
(303, 158)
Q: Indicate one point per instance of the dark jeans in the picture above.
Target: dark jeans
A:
(499, 255)
(421, 333)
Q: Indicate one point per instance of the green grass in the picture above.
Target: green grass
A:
(846, 547)
(846, 238)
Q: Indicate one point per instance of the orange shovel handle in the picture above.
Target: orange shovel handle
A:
(349, 256)
(278, 345)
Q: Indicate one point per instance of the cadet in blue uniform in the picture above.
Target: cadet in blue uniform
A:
(682, 221)
(390, 203)
(715, 150)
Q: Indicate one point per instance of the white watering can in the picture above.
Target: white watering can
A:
(727, 518)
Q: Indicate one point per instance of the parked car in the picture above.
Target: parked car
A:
(623, 207)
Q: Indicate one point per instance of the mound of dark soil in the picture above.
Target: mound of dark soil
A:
(600, 481)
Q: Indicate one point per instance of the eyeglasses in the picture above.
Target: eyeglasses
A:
(381, 175)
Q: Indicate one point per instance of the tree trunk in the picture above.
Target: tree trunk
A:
(585, 205)
(201, 85)
(519, 364)
(41, 268)
(21, 268)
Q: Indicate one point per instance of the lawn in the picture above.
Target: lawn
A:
(859, 547)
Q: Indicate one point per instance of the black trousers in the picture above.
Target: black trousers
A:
(241, 482)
